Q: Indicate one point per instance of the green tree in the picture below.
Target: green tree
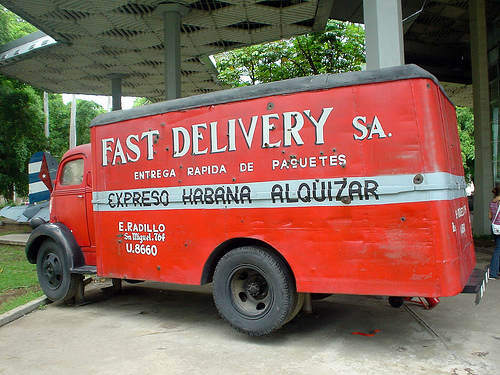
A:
(465, 121)
(12, 26)
(86, 110)
(21, 117)
(59, 121)
(139, 102)
(339, 48)
(59, 117)
(21, 135)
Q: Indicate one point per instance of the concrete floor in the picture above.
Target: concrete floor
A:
(154, 328)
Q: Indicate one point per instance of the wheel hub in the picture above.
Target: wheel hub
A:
(251, 292)
(254, 289)
(52, 270)
(256, 286)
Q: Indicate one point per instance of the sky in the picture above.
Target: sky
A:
(105, 101)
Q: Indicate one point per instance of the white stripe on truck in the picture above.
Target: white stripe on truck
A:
(357, 191)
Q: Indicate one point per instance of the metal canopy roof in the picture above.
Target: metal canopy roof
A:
(437, 33)
(88, 40)
(436, 37)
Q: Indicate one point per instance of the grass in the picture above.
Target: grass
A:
(18, 279)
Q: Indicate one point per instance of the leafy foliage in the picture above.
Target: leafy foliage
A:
(59, 119)
(339, 49)
(12, 27)
(465, 120)
(21, 135)
(21, 117)
(139, 102)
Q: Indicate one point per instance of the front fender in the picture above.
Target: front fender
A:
(61, 234)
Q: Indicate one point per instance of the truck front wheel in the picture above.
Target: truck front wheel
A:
(254, 291)
(53, 272)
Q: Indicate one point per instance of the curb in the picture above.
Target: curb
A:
(16, 239)
(20, 311)
(12, 242)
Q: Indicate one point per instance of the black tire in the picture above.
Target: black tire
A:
(396, 302)
(299, 302)
(254, 291)
(52, 267)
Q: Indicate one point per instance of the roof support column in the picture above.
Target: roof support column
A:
(172, 14)
(483, 171)
(72, 123)
(116, 91)
(383, 33)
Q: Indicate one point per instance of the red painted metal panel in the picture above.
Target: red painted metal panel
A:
(72, 204)
(69, 203)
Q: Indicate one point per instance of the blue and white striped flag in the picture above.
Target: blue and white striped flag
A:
(42, 170)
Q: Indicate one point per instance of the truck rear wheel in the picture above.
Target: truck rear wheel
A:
(254, 291)
(53, 272)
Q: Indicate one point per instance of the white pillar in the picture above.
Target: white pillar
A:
(483, 169)
(109, 105)
(383, 33)
(46, 110)
(72, 123)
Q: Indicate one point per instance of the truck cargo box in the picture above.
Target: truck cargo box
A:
(355, 180)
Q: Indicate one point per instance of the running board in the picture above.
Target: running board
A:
(85, 270)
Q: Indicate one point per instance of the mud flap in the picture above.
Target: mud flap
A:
(477, 282)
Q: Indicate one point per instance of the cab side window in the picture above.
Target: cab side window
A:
(72, 173)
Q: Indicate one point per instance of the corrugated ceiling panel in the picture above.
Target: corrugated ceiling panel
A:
(96, 24)
(130, 22)
(37, 8)
(76, 5)
(110, 36)
(229, 15)
(105, 5)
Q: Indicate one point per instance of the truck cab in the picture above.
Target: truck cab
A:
(64, 248)
(72, 199)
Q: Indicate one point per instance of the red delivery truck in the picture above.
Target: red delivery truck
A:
(350, 183)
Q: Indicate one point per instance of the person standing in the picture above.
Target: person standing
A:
(494, 215)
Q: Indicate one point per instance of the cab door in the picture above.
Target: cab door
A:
(69, 203)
